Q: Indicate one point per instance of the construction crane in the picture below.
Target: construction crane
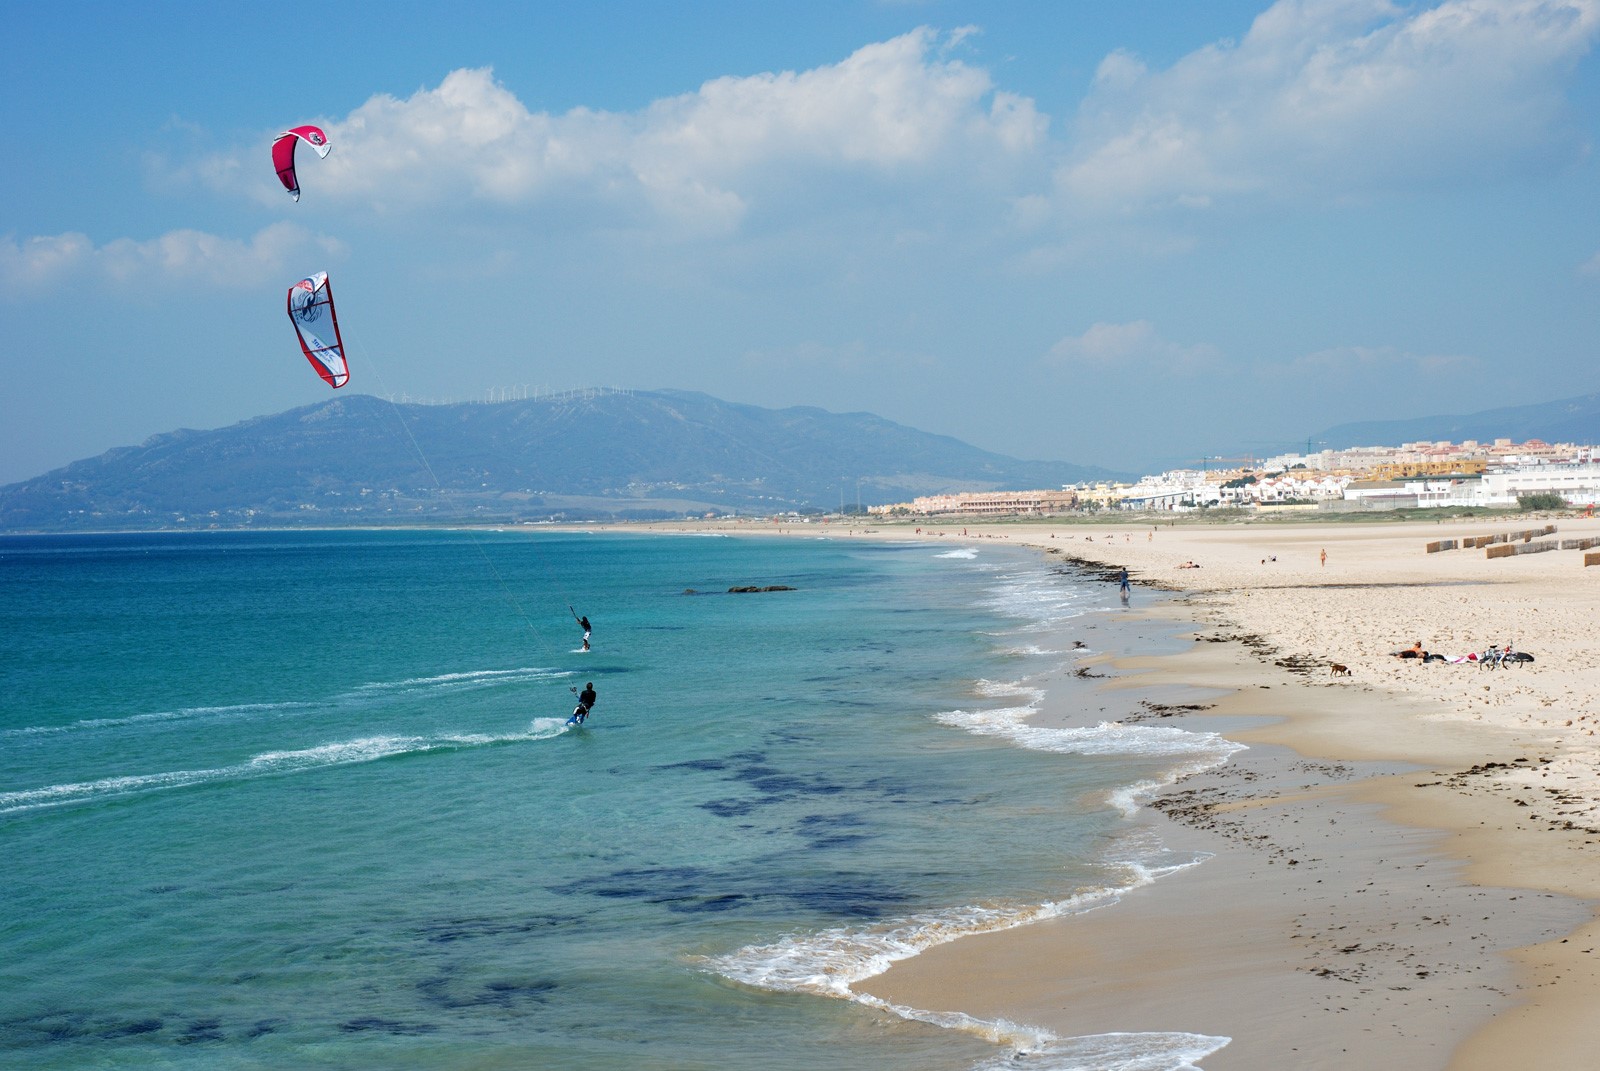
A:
(1280, 444)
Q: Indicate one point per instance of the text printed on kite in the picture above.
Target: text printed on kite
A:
(283, 147)
(310, 310)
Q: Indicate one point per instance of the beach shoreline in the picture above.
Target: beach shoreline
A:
(1401, 869)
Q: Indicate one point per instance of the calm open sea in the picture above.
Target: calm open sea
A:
(307, 800)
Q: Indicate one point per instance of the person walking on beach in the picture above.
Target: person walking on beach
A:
(1122, 582)
(1324, 557)
(586, 700)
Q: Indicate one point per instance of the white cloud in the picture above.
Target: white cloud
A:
(41, 263)
(1107, 346)
(1331, 97)
(700, 157)
(1320, 99)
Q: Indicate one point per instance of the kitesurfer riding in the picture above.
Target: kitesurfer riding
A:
(586, 700)
(583, 623)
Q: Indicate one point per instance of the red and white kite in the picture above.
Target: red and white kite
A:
(311, 302)
(283, 153)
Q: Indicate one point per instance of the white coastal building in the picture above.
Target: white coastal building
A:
(1576, 482)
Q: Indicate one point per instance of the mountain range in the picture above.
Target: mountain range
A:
(358, 459)
(1569, 420)
(587, 455)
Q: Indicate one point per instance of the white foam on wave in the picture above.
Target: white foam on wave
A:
(184, 713)
(268, 763)
(1154, 1051)
(830, 963)
(1039, 598)
(1007, 690)
(1192, 751)
(460, 681)
(1029, 650)
(966, 553)
(1106, 738)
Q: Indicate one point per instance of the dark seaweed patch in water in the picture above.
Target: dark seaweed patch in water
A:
(776, 783)
(824, 831)
(263, 1027)
(446, 931)
(694, 890)
(690, 905)
(652, 884)
(836, 821)
(446, 992)
(776, 786)
(388, 1026)
(730, 808)
(696, 764)
(520, 990)
(47, 1028)
(63, 1027)
(133, 1029)
(201, 1030)
(773, 783)
(680, 889)
(866, 899)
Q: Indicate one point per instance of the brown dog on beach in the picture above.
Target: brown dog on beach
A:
(1336, 670)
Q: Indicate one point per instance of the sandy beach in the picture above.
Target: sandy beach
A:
(1403, 862)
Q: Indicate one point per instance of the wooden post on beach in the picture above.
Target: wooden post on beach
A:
(1592, 558)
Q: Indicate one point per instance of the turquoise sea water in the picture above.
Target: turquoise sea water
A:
(307, 800)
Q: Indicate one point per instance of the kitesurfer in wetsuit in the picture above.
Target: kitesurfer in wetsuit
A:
(586, 700)
(583, 623)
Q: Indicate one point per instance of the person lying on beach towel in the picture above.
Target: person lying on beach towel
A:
(1414, 651)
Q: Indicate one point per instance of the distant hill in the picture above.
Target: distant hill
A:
(1569, 420)
(357, 459)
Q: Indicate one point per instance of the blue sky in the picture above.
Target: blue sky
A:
(1130, 234)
